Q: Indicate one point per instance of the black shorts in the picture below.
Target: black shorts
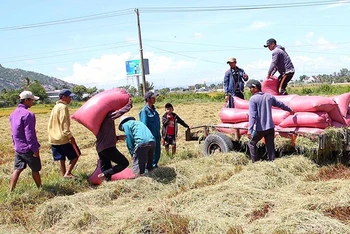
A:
(22, 159)
(60, 152)
(170, 140)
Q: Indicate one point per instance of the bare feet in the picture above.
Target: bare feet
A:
(69, 176)
(101, 176)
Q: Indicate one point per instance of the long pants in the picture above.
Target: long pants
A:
(231, 103)
(142, 158)
(109, 155)
(269, 144)
(283, 82)
(156, 155)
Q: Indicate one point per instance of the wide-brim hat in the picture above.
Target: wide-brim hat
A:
(123, 120)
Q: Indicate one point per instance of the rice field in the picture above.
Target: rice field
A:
(188, 193)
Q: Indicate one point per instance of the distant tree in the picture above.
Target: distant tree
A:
(38, 90)
(343, 72)
(302, 78)
(131, 89)
(79, 91)
(212, 86)
(11, 97)
(27, 82)
(92, 90)
(149, 86)
(164, 91)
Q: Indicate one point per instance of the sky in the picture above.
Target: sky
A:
(87, 42)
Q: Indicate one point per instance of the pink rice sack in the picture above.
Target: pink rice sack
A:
(233, 115)
(311, 104)
(343, 103)
(92, 113)
(307, 119)
(270, 85)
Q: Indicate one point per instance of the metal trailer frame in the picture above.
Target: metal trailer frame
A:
(235, 136)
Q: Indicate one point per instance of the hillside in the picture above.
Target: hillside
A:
(15, 79)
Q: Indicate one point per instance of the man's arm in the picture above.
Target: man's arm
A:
(116, 114)
(273, 67)
(281, 105)
(30, 134)
(180, 121)
(252, 116)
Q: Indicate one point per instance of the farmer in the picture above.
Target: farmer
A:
(260, 120)
(140, 143)
(150, 117)
(60, 135)
(282, 63)
(25, 140)
(106, 140)
(234, 82)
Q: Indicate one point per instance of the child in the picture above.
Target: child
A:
(140, 143)
(169, 128)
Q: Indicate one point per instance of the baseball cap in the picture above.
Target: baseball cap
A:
(270, 41)
(27, 95)
(150, 94)
(231, 60)
(66, 92)
(254, 84)
(123, 120)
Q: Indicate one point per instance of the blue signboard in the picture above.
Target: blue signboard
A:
(133, 67)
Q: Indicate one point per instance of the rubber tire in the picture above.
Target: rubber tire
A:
(217, 142)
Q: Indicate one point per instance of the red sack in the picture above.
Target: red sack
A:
(312, 104)
(93, 112)
(240, 103)
(233, 115)
(286, 99)
(343, 103)
(270, 85)
(307, 119)
(95, 180)
(279, 115)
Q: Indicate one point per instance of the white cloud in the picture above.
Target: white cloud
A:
(109, 70)
(61, 69)
(259, 25)
(197, 35)
(309, 35)
(323, 44)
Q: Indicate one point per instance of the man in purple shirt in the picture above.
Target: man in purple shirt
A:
(25, 140)
(260, 120)
(282, 63)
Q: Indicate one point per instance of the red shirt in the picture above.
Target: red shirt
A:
(171, 126)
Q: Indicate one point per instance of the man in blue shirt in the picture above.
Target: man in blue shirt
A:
(260, 120)
(234, 82)
(150, 117)
(25, 140)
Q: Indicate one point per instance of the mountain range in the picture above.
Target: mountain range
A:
(16, 79)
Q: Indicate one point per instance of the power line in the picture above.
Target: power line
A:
(71, 49)
(70, 20)
(237, 8)
(170, 9)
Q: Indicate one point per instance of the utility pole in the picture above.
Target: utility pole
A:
(141, 53)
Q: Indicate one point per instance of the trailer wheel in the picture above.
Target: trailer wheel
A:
(217, 142)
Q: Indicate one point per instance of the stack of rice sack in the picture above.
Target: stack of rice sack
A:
(312, 113)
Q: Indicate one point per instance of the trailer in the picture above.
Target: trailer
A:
(335, 146)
